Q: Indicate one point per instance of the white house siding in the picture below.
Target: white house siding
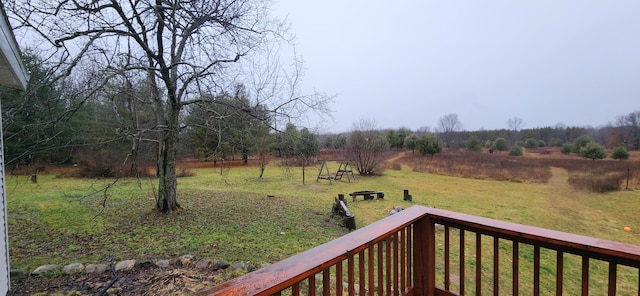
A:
(4, 242)
(12, 74)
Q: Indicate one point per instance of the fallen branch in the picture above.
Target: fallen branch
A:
(113, 281)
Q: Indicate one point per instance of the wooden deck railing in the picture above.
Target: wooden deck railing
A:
(427, 251)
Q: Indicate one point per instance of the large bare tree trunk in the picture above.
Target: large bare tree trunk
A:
(184, 48)
(167, 193)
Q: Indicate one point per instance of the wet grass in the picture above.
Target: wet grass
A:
(233, 215)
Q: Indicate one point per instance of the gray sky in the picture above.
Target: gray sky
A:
(407, 63)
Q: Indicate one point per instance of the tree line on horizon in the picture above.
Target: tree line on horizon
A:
(43, 127)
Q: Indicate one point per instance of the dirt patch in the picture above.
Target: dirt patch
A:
(150, 281)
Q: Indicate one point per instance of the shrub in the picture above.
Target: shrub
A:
(593, 151)
(620, 152)
(531, 143)
(580, 142)
(555, 142)
(515, 151)
(473, 144)
(541, 143)
(566, 148)
(429, 144)
(500, 144)
(411, 142)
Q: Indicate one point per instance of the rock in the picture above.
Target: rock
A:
(145, 263)
(185, 260)
(125, 265)
(18, 273)
(253, 267)
(164, 263)
(113, 291)
(96, 268)
(238, 266)
(356, 288)
(45, 269)
(73, 268)
(203, 263)
(396, 210)
(221, 264)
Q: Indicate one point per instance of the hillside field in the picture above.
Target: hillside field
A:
(229, 213)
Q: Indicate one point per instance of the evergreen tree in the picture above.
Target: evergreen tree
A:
(429, 144)
(593, 151)
(620, 152)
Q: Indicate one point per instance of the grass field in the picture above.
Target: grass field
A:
(233, 215)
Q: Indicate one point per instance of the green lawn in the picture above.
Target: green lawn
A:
(230, 214)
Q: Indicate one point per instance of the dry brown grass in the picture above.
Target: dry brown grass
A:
(496, 166)
(533, 167)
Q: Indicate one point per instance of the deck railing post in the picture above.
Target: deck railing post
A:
(424, 242)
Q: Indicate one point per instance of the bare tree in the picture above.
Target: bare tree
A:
(448, 126)
(367, 147)
(184, 49)
(629, 126)
(515, 124)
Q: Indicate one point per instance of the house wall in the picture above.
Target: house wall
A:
(4, 237)
(12, 74)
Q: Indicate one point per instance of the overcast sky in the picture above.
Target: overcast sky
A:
(407, 63)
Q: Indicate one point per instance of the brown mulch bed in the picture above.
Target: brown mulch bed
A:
(150, 281)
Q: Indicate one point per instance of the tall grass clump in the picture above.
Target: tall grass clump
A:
(596, 182)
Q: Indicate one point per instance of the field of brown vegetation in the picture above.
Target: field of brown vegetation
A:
(534, 166)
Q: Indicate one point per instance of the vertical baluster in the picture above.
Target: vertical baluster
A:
(638, 281)
(403, 245)
(613, 269)
(312, 286)
(395, 263)
(279, 293)
(361, 273)
(388, 264)
(515, 269)
(559, 272)
(585, 276)
(350, 274)
(462, 263)
(380, 269)
(409, 252)
(478, 263)
(536, 270)
(339, 279)
(371, 268)
(496, 264)
(295, 289)
(326, 282)
(447, 270)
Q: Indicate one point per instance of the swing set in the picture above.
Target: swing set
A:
(345, 169)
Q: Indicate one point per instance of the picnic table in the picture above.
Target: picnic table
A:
(367, 194)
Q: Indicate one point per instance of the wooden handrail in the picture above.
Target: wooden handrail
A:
(606, 250)
(280, 275)
(409, 239)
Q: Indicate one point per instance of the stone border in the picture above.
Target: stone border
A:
(125, 265)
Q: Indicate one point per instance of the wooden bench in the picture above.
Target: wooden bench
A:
(367, 195)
